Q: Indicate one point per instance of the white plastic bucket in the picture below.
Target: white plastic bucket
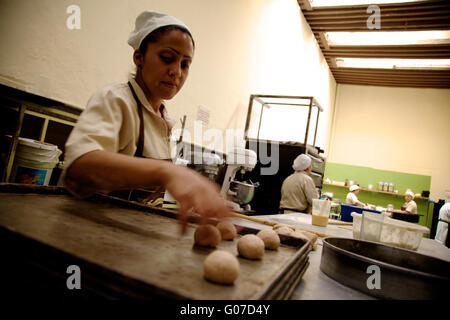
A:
(34, 162)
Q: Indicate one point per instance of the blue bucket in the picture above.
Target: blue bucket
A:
(346, 211)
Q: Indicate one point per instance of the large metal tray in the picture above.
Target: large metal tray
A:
(404, 274)
(125, 249)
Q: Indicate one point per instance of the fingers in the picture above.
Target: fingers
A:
(183, 217)
(195, 192)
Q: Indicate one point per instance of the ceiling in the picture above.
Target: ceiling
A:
(412, 16)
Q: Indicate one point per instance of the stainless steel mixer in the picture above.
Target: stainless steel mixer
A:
(241, 192)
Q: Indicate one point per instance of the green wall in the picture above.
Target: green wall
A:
(366, 175)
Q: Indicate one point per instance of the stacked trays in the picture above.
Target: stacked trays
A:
(126, 250)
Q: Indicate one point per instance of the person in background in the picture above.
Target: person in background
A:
(352, 199)
(442, 227)
(410, 205)
(121, 139)
(298, 190)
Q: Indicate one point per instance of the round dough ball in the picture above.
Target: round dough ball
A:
(305, 236)
(227, 229)
(270, 238)
(251, 247)
(280, 225)
(284, 230)
(299, 234)
(207, 235)
(311, 236)
(221, 267)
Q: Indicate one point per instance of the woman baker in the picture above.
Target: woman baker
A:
(122, 137)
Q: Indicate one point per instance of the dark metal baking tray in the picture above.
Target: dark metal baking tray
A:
(125, 250)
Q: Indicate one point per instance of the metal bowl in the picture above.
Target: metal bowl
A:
(244, 192)
(403, 274)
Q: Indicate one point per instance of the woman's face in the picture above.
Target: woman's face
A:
(165, 65)
(408, 198)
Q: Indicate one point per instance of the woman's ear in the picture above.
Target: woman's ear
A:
(138, 58)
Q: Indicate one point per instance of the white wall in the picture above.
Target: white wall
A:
(242, 47)
(399, 129)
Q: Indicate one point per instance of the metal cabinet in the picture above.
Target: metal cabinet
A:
(275, 148)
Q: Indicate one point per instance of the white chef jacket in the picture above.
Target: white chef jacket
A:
(442, 227)
(351, 199)
(110, 122)
(297, 192)
(411, 206)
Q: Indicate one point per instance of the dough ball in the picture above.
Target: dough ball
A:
(207, 235)
(251, 247)
(270, 238)
(299, 234)
(305, 236)
(312, 237)
(281, 225)
(227, 229)
(287, 231)
(221, 267)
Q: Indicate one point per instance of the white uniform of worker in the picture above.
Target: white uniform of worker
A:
(410, 206)
(351, 198)
(442, 227)
(111, 122)
(299, 189)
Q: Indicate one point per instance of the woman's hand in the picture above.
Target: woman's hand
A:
(107, 171)
(194, 193)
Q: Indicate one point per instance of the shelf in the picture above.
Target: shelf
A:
(372, 190)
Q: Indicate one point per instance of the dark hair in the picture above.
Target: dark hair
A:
(156, 34)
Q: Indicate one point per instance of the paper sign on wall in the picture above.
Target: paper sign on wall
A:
(203, 115)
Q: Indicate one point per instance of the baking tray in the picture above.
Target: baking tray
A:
(404, 274)
(126, 249)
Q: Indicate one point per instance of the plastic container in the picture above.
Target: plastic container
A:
(347, 209)
(391, 187)
(320, 212)
(371, 226)
(34, 162)
(380, 186)
(386, 186)
(357, 219)
(393, 232)
(402, 234)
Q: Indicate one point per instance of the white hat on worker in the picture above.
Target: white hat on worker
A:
(354, 187)
(147, 22)
(302, 162)
(409, 192)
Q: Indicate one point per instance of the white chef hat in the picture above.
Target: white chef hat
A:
(409, 192)
(354, 187)
(147, 22)
(302, 162)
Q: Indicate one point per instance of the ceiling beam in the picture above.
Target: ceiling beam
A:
(414, 16)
